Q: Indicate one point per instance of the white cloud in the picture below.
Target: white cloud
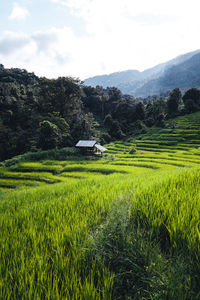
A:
(125, 34)
(18, 12)
(119, 35)
(87, 8)
(11, 42)
(51, 53)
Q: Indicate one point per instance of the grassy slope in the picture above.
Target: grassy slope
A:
(55, 237)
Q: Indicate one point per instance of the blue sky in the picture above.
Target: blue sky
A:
(42, 15)
(83, 38)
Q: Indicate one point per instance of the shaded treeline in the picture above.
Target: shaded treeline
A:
(39, 113)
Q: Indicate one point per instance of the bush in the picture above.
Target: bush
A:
(139, 127)
(132, 149)
(105, 138)
(139, 124)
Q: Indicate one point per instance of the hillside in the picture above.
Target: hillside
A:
(88, 228)
(181, 71)
(114, 79)
(176, 145)
(184, 75)
(41, 114)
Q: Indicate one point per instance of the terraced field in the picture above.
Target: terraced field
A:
(166, 148)
(90, 228)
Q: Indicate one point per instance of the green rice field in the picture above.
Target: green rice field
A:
(122, 226)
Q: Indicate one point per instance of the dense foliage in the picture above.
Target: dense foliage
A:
(41, 114)
(38, 113)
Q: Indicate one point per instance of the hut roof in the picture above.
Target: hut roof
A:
(101, 148)
(86, 144)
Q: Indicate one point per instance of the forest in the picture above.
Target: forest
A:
(39, 113)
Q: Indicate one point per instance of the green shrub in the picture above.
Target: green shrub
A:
(105, 138)
(132, 150)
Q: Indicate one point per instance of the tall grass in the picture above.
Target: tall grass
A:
(122, 227)
(45, 234)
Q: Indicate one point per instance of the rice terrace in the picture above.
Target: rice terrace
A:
(122, 226)
(99, 150)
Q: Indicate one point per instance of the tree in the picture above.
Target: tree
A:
(83, 127)
(48, 135)
(108, 121)
(154, 110)
(191, 100)
(139, 111)
(113, 127)
(173, 102)
(190, 106)
(105, 138)
(63, 129)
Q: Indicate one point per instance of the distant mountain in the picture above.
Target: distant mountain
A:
(113, 79)
(182, 71)
(184, 76)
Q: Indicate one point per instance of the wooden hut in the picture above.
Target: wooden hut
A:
(89, 146)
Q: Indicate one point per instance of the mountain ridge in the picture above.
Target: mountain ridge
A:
(150, 81)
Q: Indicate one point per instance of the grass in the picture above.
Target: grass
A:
(122, 227)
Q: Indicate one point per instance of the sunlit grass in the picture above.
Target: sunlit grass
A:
(57, 222)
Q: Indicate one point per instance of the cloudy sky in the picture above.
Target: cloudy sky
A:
(83, 38)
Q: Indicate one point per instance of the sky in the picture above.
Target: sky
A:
(84, 38)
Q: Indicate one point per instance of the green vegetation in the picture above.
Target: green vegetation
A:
(124, 226)
(38, 114)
